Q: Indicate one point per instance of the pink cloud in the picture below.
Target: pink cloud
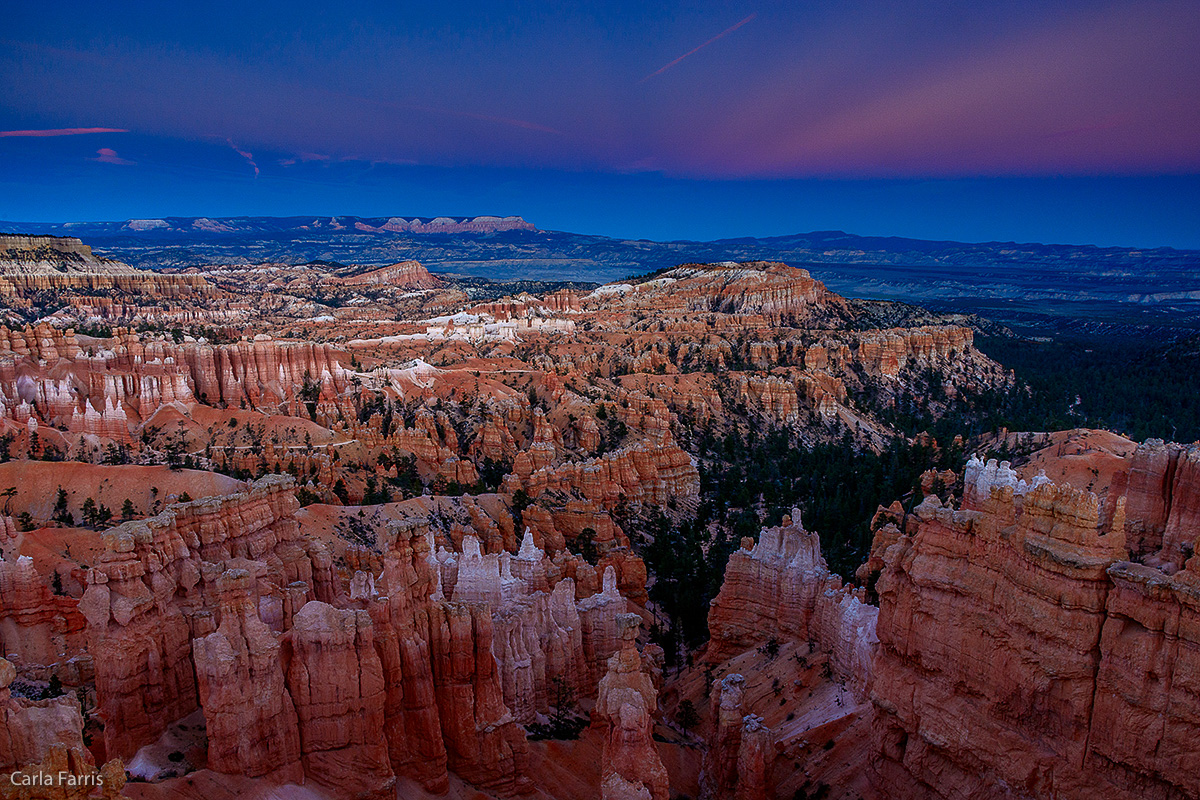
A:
(106, 155)
(246, 154)
(1081, 97)
(516, 123)
(63, 132)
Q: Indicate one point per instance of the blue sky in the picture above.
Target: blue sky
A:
(1033, 121)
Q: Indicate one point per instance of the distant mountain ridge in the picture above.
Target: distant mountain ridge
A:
(174, 227)
(1154, 291)
(821, 246)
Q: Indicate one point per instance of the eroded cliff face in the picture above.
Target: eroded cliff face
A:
(1016, 651)
(44, 737)
(406, 274)
(781, 588)
(250, 716)
(540, 639)
(296, 676)
(418, 665)
(1022, 655)
(89, 286)
(37, 626)
(989, 689)
(47, 377)
(772, 290)
(645, 472)
(157, 587)
(414, 643)
(1164, 502)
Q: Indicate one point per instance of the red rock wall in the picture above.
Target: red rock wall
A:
(250, 718)
(107, 393)
(401, 683)
(336, 681)
(888, 352)
(29, 729)
(155, 588)
(36, 625)
(630, 762)
(412, 724)
(1145, 726)
(406, 274)
(780, 588)
(1163, 506)
(483, 743)
(643, 472)
(1021, 656)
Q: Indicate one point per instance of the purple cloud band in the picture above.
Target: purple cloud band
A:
(62, 132)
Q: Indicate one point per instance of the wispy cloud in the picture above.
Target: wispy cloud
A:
(305, 158)
(449, 112)
(106, 155)
(695, 50)
(62, 132)
(516, 123)
(246, 154)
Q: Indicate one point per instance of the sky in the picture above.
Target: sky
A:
(1052, 120)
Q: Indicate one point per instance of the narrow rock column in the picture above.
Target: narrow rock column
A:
(630, 764)
(718, 774)
(251, 722)
(755, 754)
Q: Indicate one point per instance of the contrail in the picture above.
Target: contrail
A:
(723, 33)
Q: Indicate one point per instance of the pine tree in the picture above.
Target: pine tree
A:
(89, 512)
(61, 512)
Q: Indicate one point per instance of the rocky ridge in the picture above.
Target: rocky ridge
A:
(973, 691)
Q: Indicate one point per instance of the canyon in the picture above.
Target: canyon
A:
(363, 531)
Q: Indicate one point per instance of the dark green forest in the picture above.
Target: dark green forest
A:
(749, 480)
(1137, 387)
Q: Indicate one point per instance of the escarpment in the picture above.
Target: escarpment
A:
(1016, 651)
(33, 268)
(406, 274)
(1163, 512)
(157, 587)
(1021, 678)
